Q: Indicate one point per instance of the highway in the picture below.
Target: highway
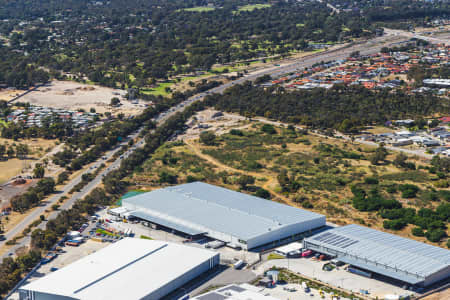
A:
(285, 67)
(431, 39)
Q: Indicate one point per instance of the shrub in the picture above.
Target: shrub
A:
(408, 190)
(262, 193)
(208, 138)
(435, 235)
(429, 196)
(267, 128)
(371, 180)
(443, 184)
(392, 189)
(417, 231)
(394, 224)
(191, 178)
(444, 195)
(165, 177)
(236, 132)
(307, 204)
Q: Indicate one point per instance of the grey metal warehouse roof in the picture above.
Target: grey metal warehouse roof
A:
(384, 253)
(220, 209)
(166, 223)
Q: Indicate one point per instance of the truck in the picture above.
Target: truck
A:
(72, 243)
(48, 258)
(305, 287)
(354, 270)
(215, 244)
(239, 264)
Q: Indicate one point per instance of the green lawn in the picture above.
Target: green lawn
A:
(3, 123)
(252, 7)
(104, 232)
(159, 90)
(199, 9)
(275, 256)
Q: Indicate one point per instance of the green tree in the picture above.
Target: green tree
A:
(379, 155)
(208, 138)
(245, 180)
(2, 150)
(39, 171)
(267, 128)
(10, 152)
(114, 101)
(22, 150)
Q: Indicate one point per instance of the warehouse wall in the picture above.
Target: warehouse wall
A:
(438, 276)
(185, 278)
(30, 295)
(285, 231)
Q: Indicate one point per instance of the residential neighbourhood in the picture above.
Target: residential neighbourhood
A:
(432, 140)
(34, 116)
(376, 71)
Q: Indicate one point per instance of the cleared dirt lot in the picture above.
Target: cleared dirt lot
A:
(73, 95)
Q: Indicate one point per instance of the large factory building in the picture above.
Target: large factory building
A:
(235, 218)
(128, 269)
(378, 252)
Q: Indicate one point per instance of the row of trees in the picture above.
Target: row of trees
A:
(12, 269)
(20, 150)
(33, 195)
(52, 128)
(346, 108)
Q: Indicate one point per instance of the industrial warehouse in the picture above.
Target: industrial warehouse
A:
(235, 218)
(129, 269)
(373, 251)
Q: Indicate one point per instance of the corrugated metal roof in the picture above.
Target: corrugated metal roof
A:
(384, 253)
(128, 269)
(166, 223)
(220, 209)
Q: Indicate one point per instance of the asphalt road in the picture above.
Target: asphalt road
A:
(288, 66)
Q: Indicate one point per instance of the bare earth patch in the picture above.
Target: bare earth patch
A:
(72, 96)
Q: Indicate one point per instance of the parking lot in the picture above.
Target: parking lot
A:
(227, 255)
(294, 291)
(67, 256)
(338, 277)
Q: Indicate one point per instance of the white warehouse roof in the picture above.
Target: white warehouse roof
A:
(242, 291)
(128, 269)
(384, 253)
(207, 208)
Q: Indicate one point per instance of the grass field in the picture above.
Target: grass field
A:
(11, 168)
(252, 7)
(199, 9)
(160, 90)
